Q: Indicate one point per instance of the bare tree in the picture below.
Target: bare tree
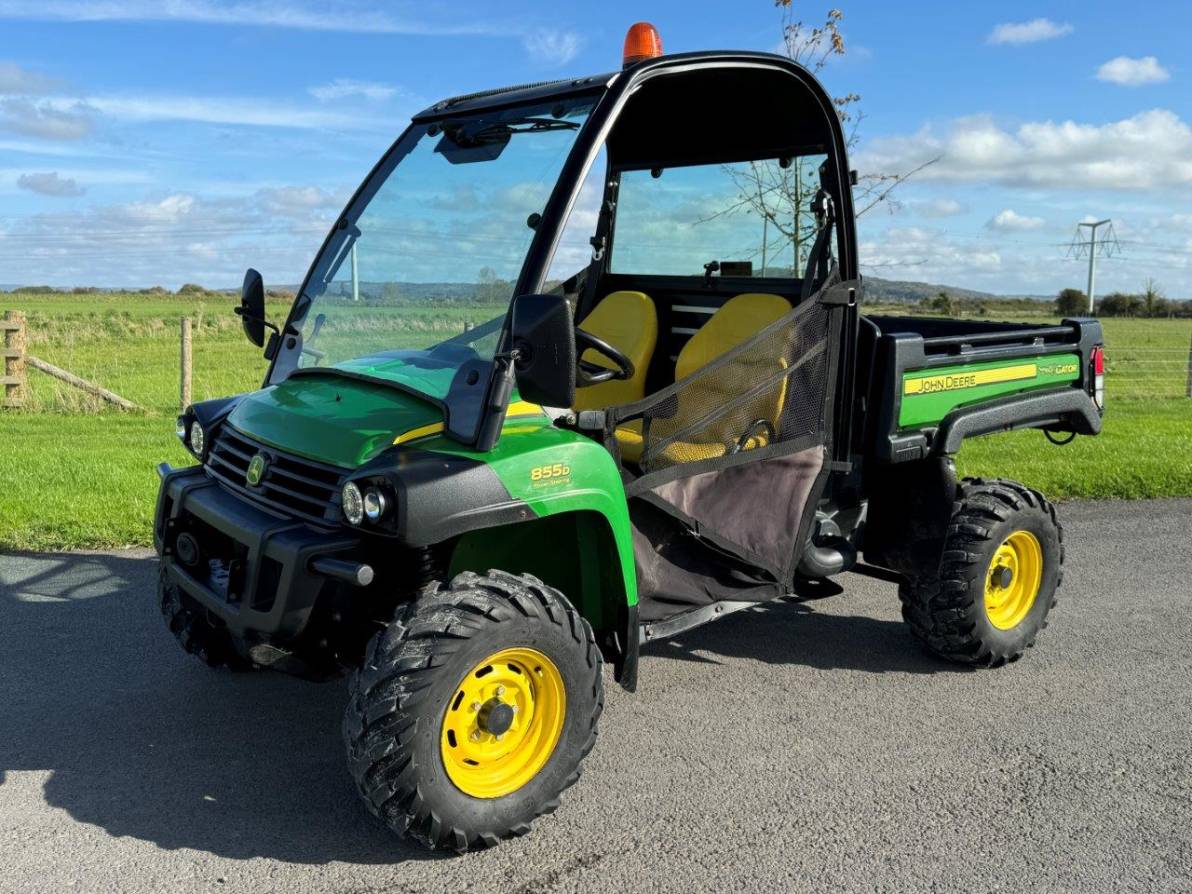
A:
(780, 191)
(814, 48)
(1153, 299)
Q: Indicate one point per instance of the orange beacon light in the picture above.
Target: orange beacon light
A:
(641, 42)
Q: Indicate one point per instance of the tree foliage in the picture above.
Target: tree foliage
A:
(1071, 303)
(1151, 302)
(941, 303)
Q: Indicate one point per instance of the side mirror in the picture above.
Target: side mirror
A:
(252, 307)
(544, 338)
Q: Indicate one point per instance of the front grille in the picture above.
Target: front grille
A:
(290, 484)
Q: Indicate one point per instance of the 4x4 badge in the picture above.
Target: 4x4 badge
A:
(256, 469)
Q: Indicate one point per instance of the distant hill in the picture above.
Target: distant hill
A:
(889, 291)
(895, 291)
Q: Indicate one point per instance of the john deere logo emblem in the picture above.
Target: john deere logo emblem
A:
(256, 469)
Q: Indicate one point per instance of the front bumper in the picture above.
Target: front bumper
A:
(253, 570)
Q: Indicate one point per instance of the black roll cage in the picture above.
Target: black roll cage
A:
(616, 89)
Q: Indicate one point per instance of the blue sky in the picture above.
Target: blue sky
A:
(151, 142)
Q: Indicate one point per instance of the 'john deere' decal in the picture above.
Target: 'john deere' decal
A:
(928, 395)
(958, 381)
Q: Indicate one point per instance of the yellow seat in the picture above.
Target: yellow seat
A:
(629, 436)
(629, 322)
(738, 319)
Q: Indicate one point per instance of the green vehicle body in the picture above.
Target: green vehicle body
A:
(295, 415)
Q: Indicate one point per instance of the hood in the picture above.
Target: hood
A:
(341, 421)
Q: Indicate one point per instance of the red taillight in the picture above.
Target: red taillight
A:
(1098, 368)
(641, 42)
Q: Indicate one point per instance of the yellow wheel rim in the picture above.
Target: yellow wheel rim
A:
(503, 722)
(1012, 581)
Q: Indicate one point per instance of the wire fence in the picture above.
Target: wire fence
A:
(1148, 373)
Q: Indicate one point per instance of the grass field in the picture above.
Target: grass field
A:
(74, 473)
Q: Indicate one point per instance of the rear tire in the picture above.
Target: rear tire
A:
(213, 645)
(1001, 564)
(413, 698)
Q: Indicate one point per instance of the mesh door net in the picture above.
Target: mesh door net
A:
(769, 389)
(735, 448)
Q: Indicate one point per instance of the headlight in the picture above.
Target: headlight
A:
(197, 439)
(353, 503)
(375, 504)
(180, 429)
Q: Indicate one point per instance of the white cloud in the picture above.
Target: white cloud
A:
(936, 208)
(552, 47)
(218, 110)
(50, 183)
(928, 252)
(17, 81)
(170, 239)
(265, 13)
(1010, 221)
(1133, 72)
(298, 201)
(1028, 32)
(45, 119)
(344, 88)
(1150, 150)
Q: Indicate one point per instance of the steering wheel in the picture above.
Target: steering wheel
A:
(587, 373)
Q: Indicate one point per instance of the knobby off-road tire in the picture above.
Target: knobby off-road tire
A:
(416, 670)
(947, 609)
(195, 632)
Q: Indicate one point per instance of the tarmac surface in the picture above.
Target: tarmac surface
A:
(796, 747)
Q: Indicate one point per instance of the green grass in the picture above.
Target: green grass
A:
(1143, 451)
(83, 480)
(76, 473)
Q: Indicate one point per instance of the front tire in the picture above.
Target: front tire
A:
(1001, 565)
(473, 710)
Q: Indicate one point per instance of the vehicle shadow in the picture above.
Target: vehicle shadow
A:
(796, 632)
(143, 741)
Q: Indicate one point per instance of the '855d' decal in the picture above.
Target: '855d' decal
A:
(961, 379)
(545, 476)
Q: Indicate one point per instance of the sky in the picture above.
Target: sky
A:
(149, 142)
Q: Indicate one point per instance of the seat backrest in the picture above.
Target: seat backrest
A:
(736, 320)
(720, 394)
(629, 322)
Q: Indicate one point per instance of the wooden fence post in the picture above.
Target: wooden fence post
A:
(1189, 389)
(186, 357)
(14, 359)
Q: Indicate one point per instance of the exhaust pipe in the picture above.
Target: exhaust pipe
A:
(831, 558)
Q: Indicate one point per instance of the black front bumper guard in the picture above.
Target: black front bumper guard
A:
(272, 569)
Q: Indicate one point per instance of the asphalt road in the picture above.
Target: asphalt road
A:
(793, 748)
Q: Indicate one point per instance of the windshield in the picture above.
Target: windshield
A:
(413, 287)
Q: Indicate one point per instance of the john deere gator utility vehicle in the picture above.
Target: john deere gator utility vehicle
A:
(679, 409)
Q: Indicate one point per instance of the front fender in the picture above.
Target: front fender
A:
(536, 471)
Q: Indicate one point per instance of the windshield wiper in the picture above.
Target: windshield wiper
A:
(499, 132)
